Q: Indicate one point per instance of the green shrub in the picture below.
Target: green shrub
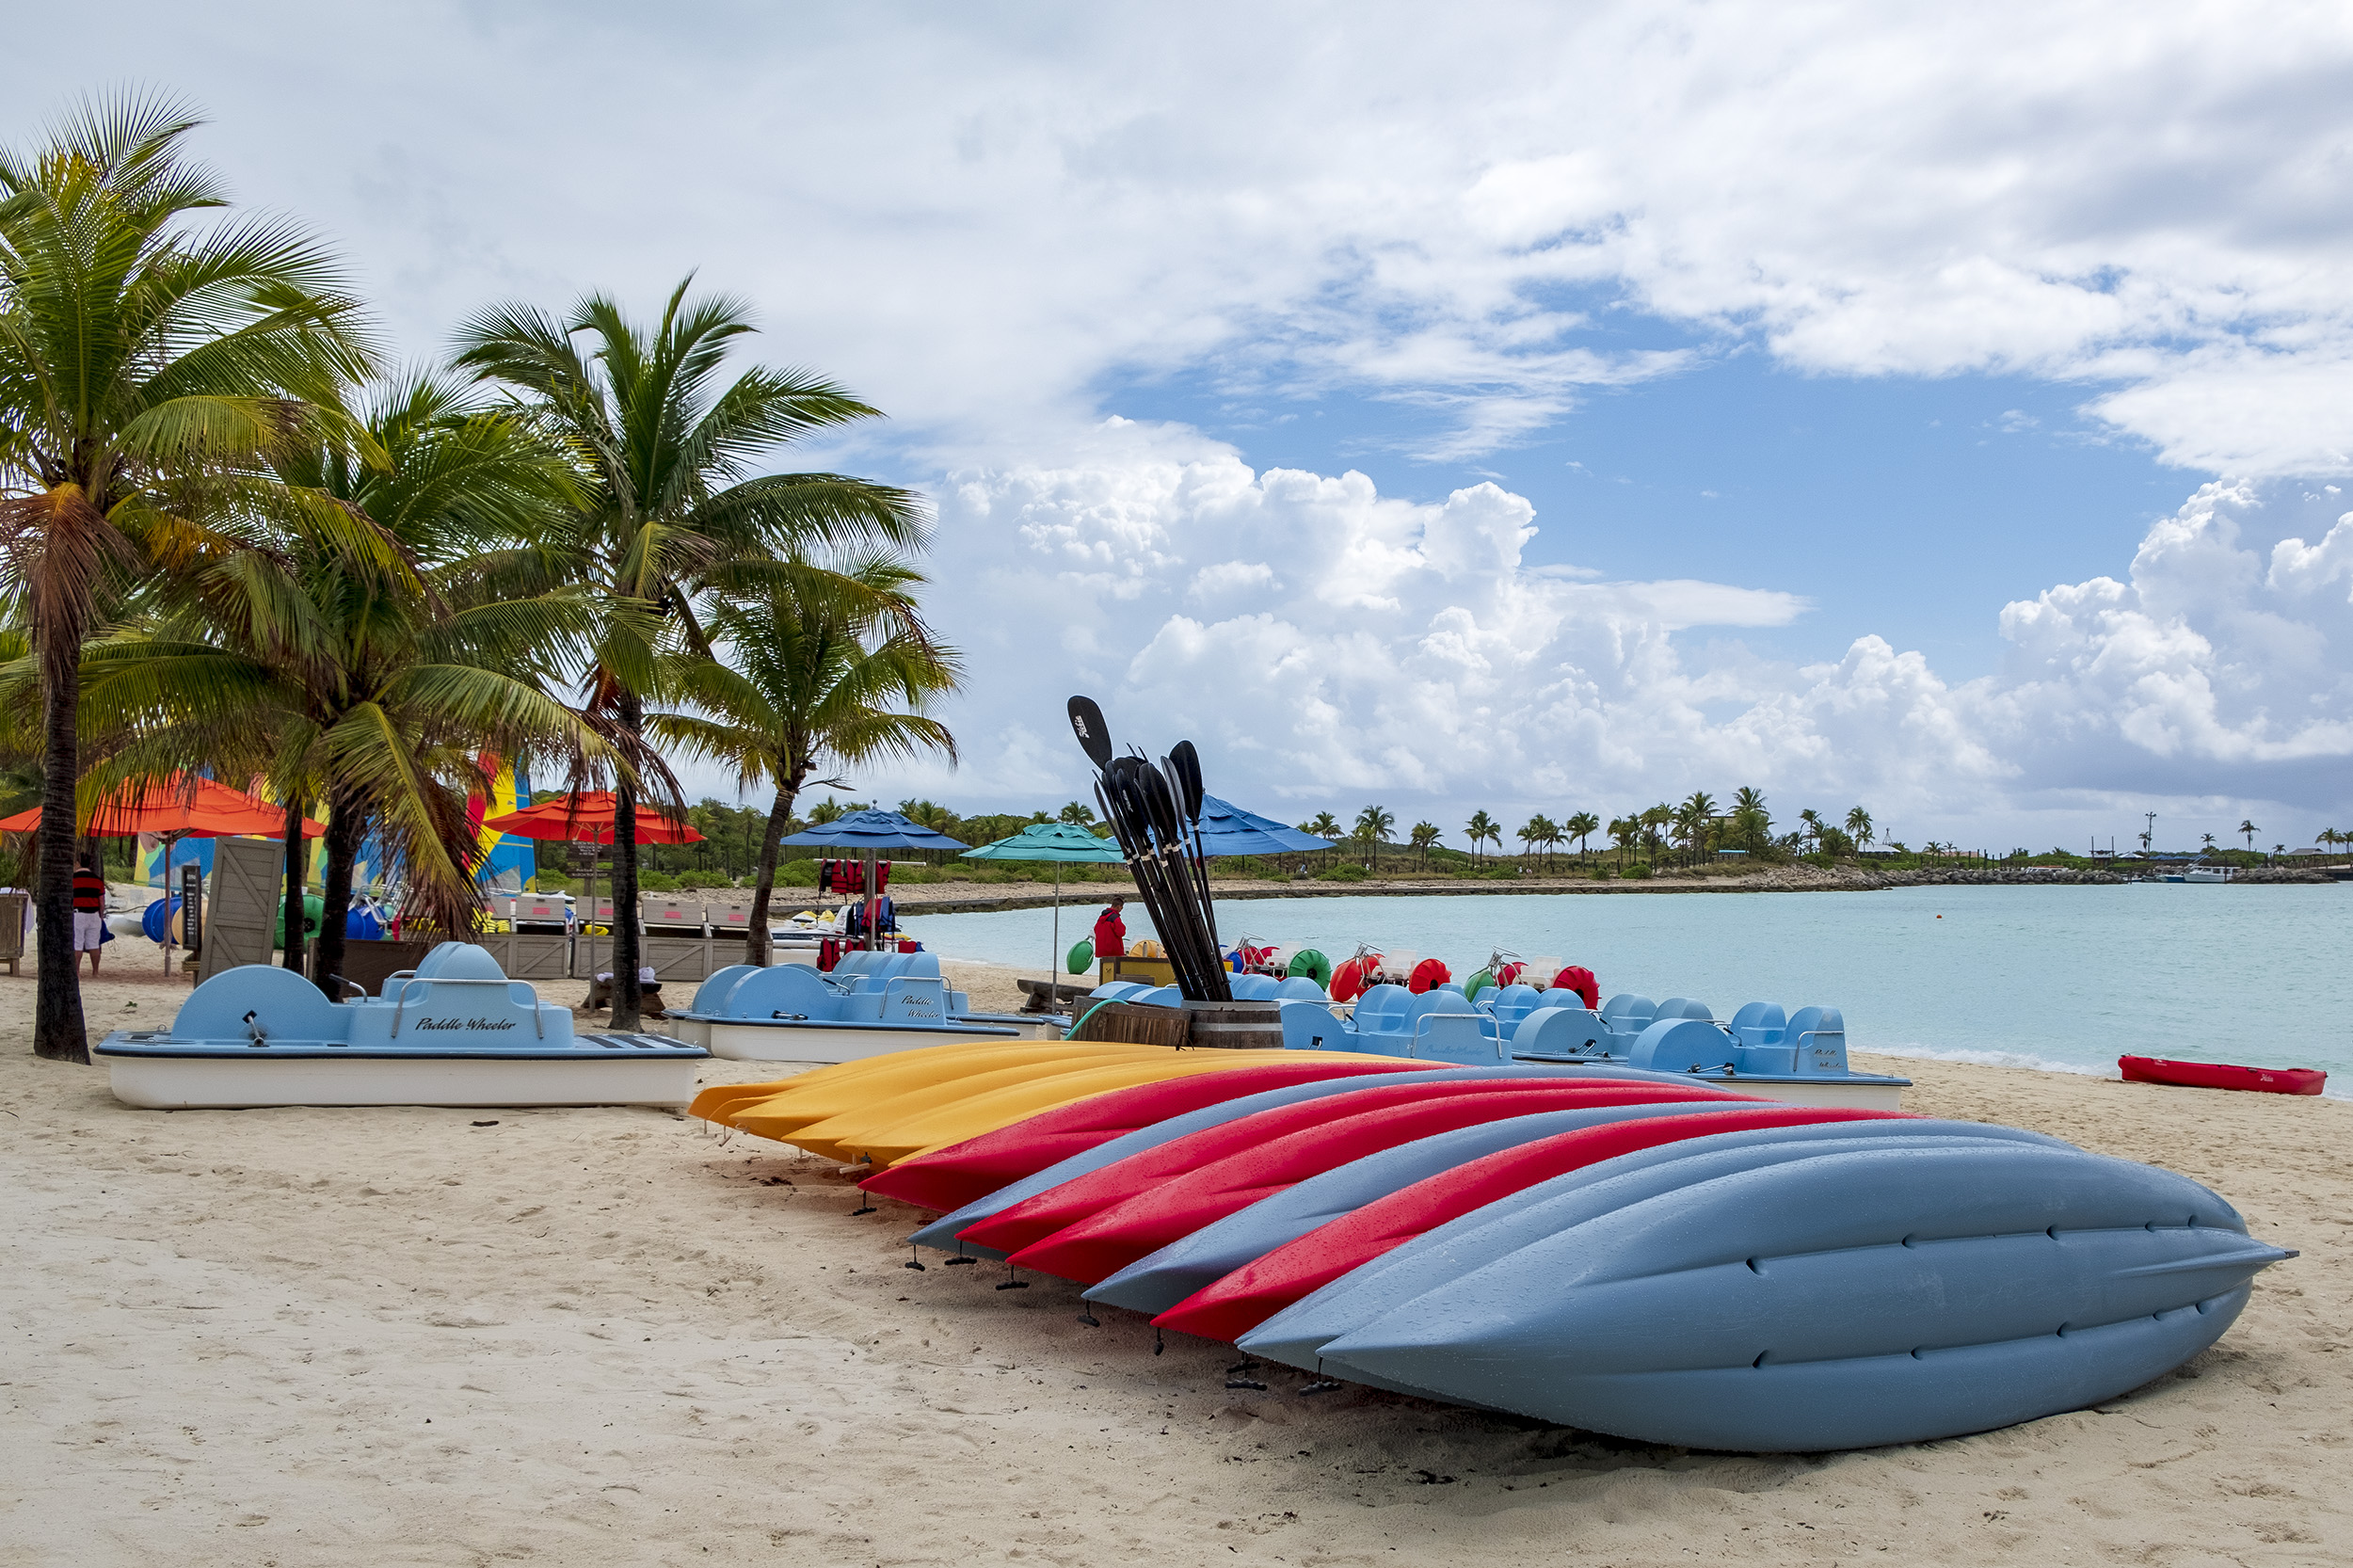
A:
(1347, 870)
(695, 881)
(1639, 870)
(797, 873)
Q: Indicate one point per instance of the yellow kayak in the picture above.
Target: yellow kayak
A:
(829, 1136)
(886, 1141)
(813, 1097)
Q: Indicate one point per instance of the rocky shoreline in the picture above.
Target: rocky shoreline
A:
(954, 898)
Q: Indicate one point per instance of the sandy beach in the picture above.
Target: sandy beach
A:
(604, 1337)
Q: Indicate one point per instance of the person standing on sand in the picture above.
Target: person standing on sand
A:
(90, 915)
(1111, 932)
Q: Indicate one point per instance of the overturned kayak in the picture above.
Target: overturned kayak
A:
(2222, 1075)
(1845, 1299)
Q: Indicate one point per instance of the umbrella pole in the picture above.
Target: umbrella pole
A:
(1053, 954)
(873, 901)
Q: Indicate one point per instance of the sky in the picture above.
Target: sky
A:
(1507, 407)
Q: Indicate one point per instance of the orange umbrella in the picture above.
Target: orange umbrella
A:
(587, 819)
(165, 807)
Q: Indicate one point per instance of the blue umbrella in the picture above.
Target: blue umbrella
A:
(1227, 829)
(865, 833)
(1063, 845)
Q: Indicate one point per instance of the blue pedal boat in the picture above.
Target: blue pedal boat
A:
(1799, 1058)
(454, 1031)
(884, 1002)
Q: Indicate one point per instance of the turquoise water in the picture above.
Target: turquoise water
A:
(2048, 977)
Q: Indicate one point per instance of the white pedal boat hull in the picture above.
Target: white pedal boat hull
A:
(215, 1083)
(788, 1040)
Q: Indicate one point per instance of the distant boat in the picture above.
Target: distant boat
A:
(2200, 874)
(2222, 1075)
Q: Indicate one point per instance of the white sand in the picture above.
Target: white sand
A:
(382, 1337)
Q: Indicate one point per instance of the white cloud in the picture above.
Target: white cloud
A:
(1468, 216)
(1360, 646)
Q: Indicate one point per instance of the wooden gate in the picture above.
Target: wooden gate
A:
(241, 917)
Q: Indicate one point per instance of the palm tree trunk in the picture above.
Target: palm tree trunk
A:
(626, 998)
(758, 948)
(347, 829)
(294, 881)
(58, 1032)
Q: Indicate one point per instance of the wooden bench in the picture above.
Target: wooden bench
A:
(1045, 996)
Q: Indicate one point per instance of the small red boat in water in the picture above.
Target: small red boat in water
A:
(2221, 1075)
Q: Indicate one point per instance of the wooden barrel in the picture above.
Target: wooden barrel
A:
(1131, 1024)
(1235, 1025)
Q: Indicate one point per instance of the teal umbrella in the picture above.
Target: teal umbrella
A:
(1063, 845)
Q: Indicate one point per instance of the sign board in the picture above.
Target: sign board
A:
(249, 878)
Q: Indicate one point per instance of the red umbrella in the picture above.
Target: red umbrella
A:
(166, 808)
(587, 819)
(171, 808)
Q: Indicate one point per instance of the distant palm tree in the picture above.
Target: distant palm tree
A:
(1537, 830)
(826, 811)
(1323, 825)
(1751, 825)
(2208, 841)
(1425, 836)
(1481, 828)
(1077, 814)
(1812, 821)
(1654, 822)
(1624, 831)
(1859, 826)
(1372, 830)
(1582, 828)
(2249, 827)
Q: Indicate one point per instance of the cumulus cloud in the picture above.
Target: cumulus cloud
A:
(1324, 642)
(1486, 217)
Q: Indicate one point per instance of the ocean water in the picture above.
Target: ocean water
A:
(2065, 978)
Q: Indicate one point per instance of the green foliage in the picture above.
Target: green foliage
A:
(798, 873)
(1347, 870)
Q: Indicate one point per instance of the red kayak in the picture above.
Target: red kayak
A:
(1254, 1292)
(949, 1179)
(2222, 1075)
(1035, 1217)
(1091, 1248)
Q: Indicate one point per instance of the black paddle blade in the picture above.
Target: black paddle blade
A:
(1094, 736)
(1185, 764)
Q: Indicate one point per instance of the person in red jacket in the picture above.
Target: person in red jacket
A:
(1111, 932)
(90, 915)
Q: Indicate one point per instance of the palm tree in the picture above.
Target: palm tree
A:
(1481, 828)
(1323, 825)
(675, 508)
(2207, 841)
(1077, 814)
(1691, 819)
(2248, 826)
(1812, 821)
(1624, 832)
(147, 366)
(1581, 827)
(1859, 826)
(812, 678)
(1425, 835)
(1751, 825)
(374, 679)
(1372, 831)
(1654, 820)
(1532, 832)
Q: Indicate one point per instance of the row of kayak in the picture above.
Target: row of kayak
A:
(1628, 1252)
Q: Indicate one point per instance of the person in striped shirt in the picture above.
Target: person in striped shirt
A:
(90, 915)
